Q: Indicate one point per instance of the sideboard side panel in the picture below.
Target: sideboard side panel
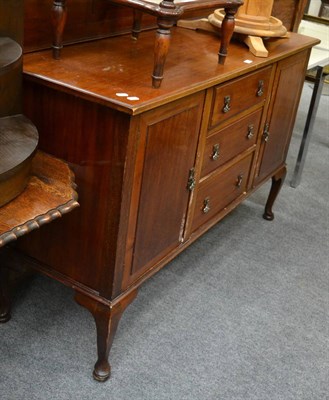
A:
(93, 140)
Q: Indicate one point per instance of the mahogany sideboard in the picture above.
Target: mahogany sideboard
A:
(155, 168)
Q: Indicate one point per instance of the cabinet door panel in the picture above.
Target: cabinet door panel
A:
(288, 83)
(169, 138)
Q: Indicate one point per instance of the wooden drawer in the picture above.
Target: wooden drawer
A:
(230, 141)
(218, 191)
(239, 95)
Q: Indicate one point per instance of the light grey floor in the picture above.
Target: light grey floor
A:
(243, 314)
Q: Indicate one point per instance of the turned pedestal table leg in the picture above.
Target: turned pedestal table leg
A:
(59, 14)
(277, 182)
(107, 317)
(227, 32)
(5, 304)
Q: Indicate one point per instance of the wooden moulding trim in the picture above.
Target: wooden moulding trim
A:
(29, 226)
(73, 284)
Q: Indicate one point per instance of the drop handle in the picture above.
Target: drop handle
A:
(206, 205)
(191, 180)
(260, 90)
(250, 133)
(266, 133)
(215, 152)
(227, 104)
(239, 181)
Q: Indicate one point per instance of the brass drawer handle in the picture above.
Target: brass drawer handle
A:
(206, 205)
(250, 134)
(239, 181)
(215, 152)
(191, 180)
(266, 133)
(260, 90)
(227, 104)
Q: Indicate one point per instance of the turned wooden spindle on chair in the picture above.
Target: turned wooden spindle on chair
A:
(167, 12)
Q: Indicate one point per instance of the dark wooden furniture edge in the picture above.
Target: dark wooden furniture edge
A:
(29, 226)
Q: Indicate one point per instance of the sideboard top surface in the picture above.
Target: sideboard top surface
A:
(103, 69)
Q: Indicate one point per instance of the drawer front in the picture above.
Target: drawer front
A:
(239, 95)
(220, 190)
(230, 141)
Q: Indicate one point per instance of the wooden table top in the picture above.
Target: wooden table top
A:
(101, 70)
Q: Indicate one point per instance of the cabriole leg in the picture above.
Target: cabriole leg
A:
(277, 182)
(107, 317)
(226, 33)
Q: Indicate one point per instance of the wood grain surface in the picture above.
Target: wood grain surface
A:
(49, 194)
(100, 70)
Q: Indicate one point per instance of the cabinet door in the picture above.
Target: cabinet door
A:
(288, 84)
(166, 153)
